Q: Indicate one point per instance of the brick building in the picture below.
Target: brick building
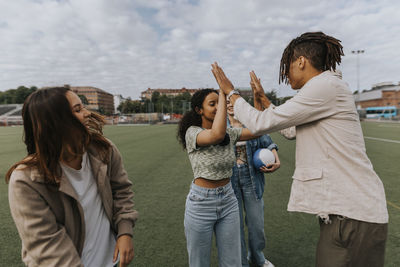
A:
(382, 94)
(98, 99)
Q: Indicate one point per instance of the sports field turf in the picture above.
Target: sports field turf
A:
(161, 176)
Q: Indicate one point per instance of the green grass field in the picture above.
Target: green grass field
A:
(161, 176)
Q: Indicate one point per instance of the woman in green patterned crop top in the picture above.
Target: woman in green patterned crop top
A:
(211, 205)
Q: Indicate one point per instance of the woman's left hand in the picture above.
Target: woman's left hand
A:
(224, 83)
(270, 167)
(125, 248)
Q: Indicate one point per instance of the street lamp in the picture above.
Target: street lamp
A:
(357, 52)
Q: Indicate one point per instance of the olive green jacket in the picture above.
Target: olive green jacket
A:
(50, 219)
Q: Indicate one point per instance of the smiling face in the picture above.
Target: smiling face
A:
(229, 108)
(78, 109)
(209, 107)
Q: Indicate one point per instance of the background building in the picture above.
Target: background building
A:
(381, 94)
(118, 99)
(98, 99)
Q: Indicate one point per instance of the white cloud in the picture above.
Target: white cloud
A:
(126, 46)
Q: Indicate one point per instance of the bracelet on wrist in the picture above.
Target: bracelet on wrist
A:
(233, 92)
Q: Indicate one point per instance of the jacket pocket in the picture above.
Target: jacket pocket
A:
(307, 173)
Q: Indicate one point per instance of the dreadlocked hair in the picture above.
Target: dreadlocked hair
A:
(323, 52)
(192, 117)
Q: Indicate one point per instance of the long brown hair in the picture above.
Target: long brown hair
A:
(52, 133)
(323, 51)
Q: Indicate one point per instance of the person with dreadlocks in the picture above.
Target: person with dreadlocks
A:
(334, 177)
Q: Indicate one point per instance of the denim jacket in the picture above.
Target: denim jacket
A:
(257, 177)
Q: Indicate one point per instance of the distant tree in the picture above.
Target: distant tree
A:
(16, 96)
(130, 106)
(272, 97)
(155, 97)
(162, 103)
(9, 96)
(187, 96)
(102, 111)
(284, 99)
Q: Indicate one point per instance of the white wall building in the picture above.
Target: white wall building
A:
(118, 99)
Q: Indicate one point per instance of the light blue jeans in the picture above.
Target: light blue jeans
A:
(254, 216)
(207, 211)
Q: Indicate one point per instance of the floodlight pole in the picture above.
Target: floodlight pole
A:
(357, 52)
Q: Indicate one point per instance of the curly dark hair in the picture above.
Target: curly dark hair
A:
(192, 118)
(323, 52)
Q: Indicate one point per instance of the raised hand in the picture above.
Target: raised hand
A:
(258, 91)
(224, 83)
(255, 84)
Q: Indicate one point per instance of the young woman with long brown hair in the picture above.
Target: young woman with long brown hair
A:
(70, 197)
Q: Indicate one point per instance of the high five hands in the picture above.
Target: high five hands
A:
(224, 83)
(258, 91)
(226, 86)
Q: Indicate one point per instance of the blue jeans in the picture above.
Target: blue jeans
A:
(211, 210)
(254, 209)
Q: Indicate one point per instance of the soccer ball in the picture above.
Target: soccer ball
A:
(262, 157)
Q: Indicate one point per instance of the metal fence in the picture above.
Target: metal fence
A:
(10, 120)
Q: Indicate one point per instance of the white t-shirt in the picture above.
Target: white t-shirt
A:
(100, 241)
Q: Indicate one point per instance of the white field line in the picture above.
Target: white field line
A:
(131, 124)
(389, 126)
(393, 205)
(381, 139)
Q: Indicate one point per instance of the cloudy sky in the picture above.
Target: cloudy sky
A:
(126, 46)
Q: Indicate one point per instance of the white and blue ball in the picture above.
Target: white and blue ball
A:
(263, 157)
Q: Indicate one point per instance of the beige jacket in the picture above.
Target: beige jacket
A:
(333, 174)
(50, 220)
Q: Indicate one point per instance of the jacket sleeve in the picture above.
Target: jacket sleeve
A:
(45, 241)
(315, 101)
(266, 142)
(124, 216)
(289, 133)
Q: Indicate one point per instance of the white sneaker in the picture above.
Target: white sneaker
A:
(268, 264)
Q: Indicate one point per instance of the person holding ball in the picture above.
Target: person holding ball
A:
(248, 184)
(334, 178)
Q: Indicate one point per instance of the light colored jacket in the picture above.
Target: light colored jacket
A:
(50, 220)
(333, 174)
